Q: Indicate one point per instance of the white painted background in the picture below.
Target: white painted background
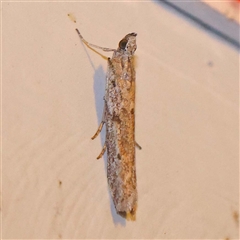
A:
(186, 122)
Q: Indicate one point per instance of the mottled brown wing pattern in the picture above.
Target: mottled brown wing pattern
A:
(120, 134)
(119, 117)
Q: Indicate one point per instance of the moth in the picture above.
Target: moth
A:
(119, 118)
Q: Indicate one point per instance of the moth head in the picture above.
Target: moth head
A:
(128, 44)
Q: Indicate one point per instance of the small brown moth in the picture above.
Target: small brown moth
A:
(119, 117)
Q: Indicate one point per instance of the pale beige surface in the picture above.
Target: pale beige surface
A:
(229, 8)
(186, 122)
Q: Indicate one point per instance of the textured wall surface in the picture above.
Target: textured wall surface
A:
(229, 8)
(52, 100)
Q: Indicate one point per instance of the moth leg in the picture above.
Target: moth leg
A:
(98, 130)
(103, 151)
(93, 45)
(138, 146)
(100, 126)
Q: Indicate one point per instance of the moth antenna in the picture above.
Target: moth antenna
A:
(93, 45)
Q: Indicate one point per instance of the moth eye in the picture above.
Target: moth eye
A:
(123, 43)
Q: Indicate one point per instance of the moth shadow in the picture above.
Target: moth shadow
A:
(99, 91)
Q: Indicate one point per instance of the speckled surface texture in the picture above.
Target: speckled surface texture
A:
(52, 102)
